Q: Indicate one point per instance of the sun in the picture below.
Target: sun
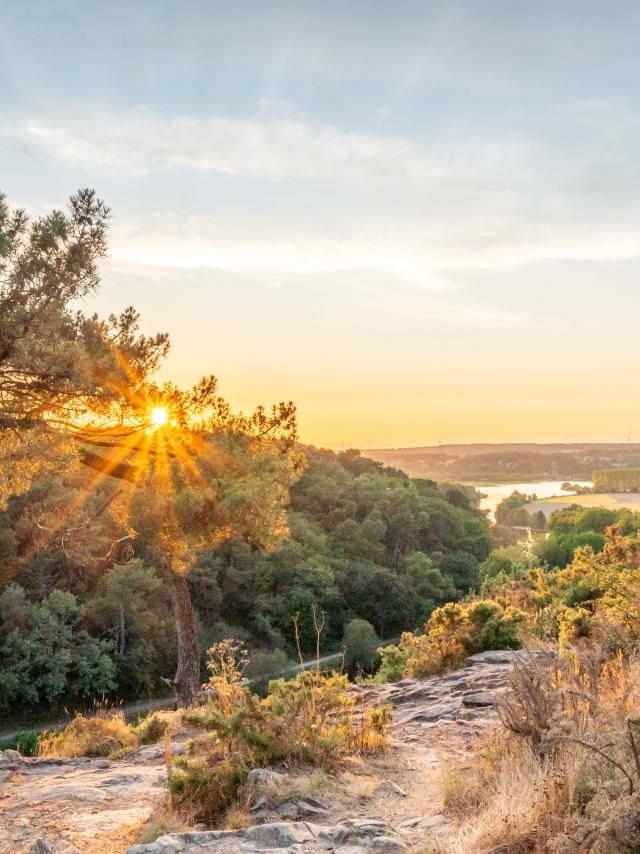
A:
(159, 416)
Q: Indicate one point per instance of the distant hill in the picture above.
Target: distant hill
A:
(509, 462)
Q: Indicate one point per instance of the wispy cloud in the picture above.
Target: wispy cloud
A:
(275, 143)
(281, 246)
(585, 149)
(416, 209)
(452, 312)
(278, 148)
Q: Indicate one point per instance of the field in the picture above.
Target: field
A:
(611, 500)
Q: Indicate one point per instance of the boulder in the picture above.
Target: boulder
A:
(388, 787)
(312, 807)
(262, 776)
(387, 843)
(481, 698)
(278, 835)
(199, 841)
(336, 833)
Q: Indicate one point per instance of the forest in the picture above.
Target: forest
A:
(365, 542)
(510, 463)
(623, 479)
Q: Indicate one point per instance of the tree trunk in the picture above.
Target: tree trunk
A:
(187, 679)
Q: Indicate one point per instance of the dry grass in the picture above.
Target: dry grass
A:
(564, 777)
(103, 735)
(514, 806)
(237, 817)
(106, 734)
(157, 725)
(273, 794)
(159, 823)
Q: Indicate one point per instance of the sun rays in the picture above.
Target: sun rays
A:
(159, 416)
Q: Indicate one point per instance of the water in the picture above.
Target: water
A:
(545, 489)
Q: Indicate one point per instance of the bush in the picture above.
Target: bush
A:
(503, 565)
(98, 736)
(311, 718)
(25, 743)
(360, 644)
(393, 664)
(457, 630)
(153, 727)
(44, 654)
(558, 550)
(563, 776)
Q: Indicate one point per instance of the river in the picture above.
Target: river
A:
(544, 489)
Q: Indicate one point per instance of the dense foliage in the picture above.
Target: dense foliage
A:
(365, 543)
(452, 633)
(617, 480)
(580, 580)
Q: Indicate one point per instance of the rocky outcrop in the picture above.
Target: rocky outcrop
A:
(66, 803)
(392, 804)
(464, 700)
(350, 837)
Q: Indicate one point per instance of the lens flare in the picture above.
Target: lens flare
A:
(159, 416)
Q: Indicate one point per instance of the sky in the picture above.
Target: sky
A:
(418, 220)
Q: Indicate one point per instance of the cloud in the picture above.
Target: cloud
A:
(469, 314)
(424, 251)
(276, 143)
(247, 245)
(555, 186)
(280, 144)
(278, 148)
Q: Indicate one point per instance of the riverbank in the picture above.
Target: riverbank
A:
(610, 500)
(494, 494)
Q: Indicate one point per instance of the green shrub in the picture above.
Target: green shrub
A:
(360, 644)
(393, 664)
(44, 654)
(457, 630)
(311, 718)
(25, 743)
(153, 727)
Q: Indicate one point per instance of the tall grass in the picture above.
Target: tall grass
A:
(106, 734)
(563, 775)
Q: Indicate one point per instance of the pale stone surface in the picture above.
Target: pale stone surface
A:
(388, 787)
(387, 843)
(279, 835)
(262, 776)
